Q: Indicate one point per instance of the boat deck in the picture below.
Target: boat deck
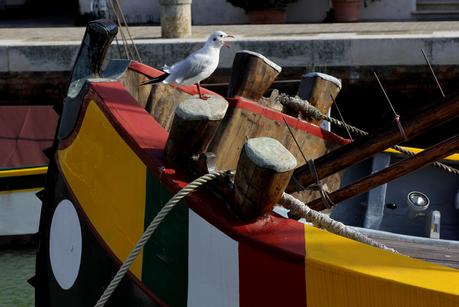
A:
(447, 256)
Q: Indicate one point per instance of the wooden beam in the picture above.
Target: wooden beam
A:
(350, 154)
(392, 172)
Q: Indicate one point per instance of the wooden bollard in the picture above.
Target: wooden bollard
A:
(175, 18)
(264, 169)
(252, 74)
(316, 88)
(194, 125)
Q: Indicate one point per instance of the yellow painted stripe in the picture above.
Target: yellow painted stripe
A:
(342, 272)
(23, 171)
(109, 181)
(454, 157)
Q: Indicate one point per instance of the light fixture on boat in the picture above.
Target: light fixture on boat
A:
(417, 203)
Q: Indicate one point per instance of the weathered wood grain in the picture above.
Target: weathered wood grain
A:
(194, 125)
(318, 89)
(264, 170)
(252, 75)
(131, 80)
(240, 124)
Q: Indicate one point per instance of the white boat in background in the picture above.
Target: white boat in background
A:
(25, 131)
(19, 206)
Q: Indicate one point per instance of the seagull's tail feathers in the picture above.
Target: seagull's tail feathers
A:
(156, 80)
(167, 68)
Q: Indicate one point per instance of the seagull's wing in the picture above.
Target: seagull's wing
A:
(189, 68)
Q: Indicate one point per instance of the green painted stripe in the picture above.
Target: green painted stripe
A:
(165, 257)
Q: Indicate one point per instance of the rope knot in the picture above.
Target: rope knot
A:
(400, 126)
(319, 186)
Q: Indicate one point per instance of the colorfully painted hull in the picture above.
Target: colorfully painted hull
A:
(109, 179)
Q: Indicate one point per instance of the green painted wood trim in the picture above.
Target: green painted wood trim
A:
(165, 256)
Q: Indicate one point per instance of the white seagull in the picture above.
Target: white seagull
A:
(197, 66)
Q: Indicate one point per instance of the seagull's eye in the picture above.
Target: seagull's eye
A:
(221, 35)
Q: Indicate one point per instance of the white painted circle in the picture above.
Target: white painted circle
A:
(65, 244)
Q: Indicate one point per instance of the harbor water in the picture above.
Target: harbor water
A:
(16, 267)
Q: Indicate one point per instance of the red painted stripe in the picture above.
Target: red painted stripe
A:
(266, 280)
(243, 103)
(152, 73)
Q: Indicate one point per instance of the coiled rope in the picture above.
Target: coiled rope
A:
(304, 107)
(298, 210)
(151, 229)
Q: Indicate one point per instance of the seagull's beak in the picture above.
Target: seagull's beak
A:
(225, 44)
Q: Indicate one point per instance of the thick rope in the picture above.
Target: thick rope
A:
(304, 107)
(151, 229)
(299, 210)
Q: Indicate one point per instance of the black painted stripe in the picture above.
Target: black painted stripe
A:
(22, 182)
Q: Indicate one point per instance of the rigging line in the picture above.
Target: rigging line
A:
(312, 111)
(385, 94)
(433, 73)
(341, 116)
(110, 16)
(118, 47)
(128, 32)
(125, 45)
(312, 168)
(397, 117)
(294, 139)
(295, 180)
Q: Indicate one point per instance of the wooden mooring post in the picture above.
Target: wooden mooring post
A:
(263, 172)
(319, 90)
(194, 125)
(252, 75)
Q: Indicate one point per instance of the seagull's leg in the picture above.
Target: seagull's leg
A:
(203, 97)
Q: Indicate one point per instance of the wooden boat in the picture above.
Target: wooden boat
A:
(24, 132)
(118, 160)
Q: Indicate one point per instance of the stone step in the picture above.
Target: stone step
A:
(437, 5)
(436, 14)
